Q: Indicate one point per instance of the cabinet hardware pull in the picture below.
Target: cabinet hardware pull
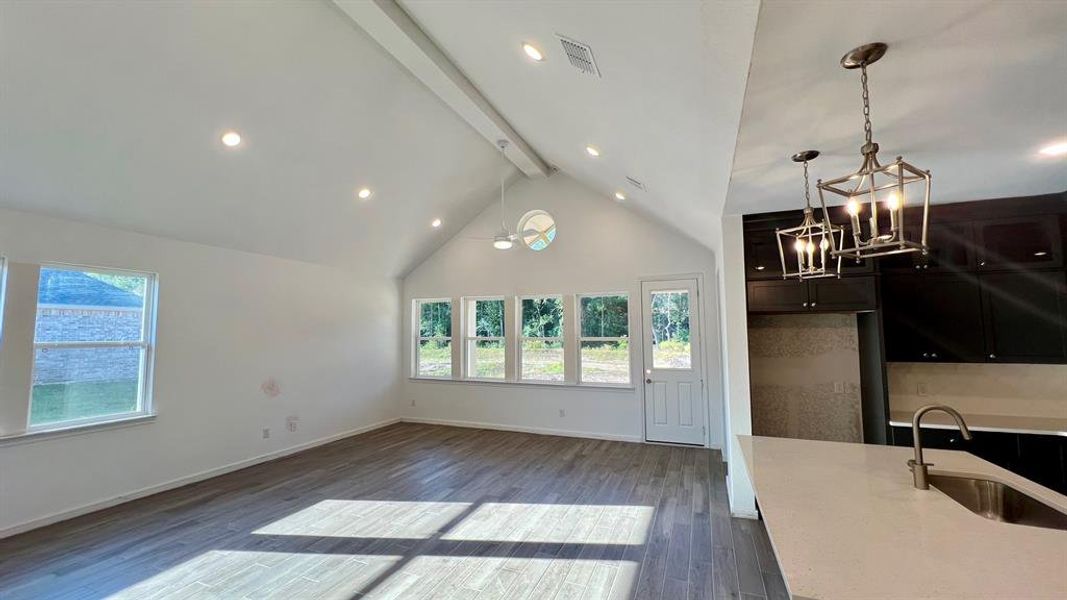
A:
(805, 305)
(992, 356)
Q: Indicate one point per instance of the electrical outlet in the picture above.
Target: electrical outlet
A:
(562, 413)
(921, 389)
(839, 387)
(290, 422)
(266, 432)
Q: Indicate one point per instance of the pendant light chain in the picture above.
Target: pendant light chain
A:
(807, 187)
(868, 136)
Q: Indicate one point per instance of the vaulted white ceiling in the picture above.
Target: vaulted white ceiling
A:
(969, 90)
(112, 113)
(665, 111)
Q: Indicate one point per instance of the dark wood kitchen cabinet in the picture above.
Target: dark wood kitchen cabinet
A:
(932, 318)
(762, 260)
(847, 294)
(1032, 242)
(778, 296)
(1025, 316)
(1039, 458)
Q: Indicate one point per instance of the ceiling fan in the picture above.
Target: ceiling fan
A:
(505, 238)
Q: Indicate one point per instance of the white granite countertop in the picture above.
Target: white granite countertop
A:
(1002, 423)
(846, 523)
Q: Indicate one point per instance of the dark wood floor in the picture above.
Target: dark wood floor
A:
(418, 511)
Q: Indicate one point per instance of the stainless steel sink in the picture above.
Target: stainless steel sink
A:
(999, 502)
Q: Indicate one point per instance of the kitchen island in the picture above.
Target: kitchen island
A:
(846, 522)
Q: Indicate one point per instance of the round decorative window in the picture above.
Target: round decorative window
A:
(537, 229)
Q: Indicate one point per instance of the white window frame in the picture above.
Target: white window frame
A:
(578, 347)
(146, 406)
(416, 324)
(562, 339)
(469, 322)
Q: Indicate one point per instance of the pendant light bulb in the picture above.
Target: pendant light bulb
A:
(893, 201)
(853, 207)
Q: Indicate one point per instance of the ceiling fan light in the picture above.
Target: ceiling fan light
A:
(502, 242)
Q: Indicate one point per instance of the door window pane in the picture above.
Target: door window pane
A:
(670, 330)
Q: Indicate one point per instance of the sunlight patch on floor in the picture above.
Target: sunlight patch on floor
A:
(368, 519)
(237, 573)
(555, 523)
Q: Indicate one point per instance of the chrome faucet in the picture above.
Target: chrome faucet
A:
(918, 467)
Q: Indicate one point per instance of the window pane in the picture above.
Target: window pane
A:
(82, 306)
(435, 319)
(542, 317)
(489, 318)
(670, 330)
(606, 362)
(485, 359)
(435, 358)
(81, 383)
(605, 316)
(542, 360)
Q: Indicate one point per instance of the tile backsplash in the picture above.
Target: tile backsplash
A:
(805, 376)
(986, 389)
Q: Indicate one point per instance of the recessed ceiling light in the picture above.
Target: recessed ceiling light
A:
(435, 223)
(620, 196)
(1056, 149)
(364, 193)
(532, 52)
(592, 151)
(231, 139)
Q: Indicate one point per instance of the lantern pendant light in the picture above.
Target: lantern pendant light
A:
(812, 241)
(880, 193)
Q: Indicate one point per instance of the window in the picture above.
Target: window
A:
(541, 344)
(670, 330)
(603, 339)
(485, 338)
(433, 347)
(92, 346)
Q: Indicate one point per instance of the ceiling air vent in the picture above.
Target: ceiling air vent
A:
(637, 184)
(580, 55)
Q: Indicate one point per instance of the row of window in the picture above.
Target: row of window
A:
(92, 345)
(602, 343)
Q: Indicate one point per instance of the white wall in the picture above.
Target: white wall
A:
(601, 247)
(227, 321)
(737, 399)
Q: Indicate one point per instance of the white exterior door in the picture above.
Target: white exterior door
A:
(674, 394)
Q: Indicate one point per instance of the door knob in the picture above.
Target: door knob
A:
(648, 381)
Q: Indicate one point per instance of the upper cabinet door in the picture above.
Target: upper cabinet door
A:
(952, 247)
(1025, 316)
(1023, 242)
(904, 318)
(842, 295)
(777, 296)
(762, 260)
(953, 306)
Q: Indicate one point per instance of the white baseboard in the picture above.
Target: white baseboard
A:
(745, 514)
(195, 477)
(522, 429)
